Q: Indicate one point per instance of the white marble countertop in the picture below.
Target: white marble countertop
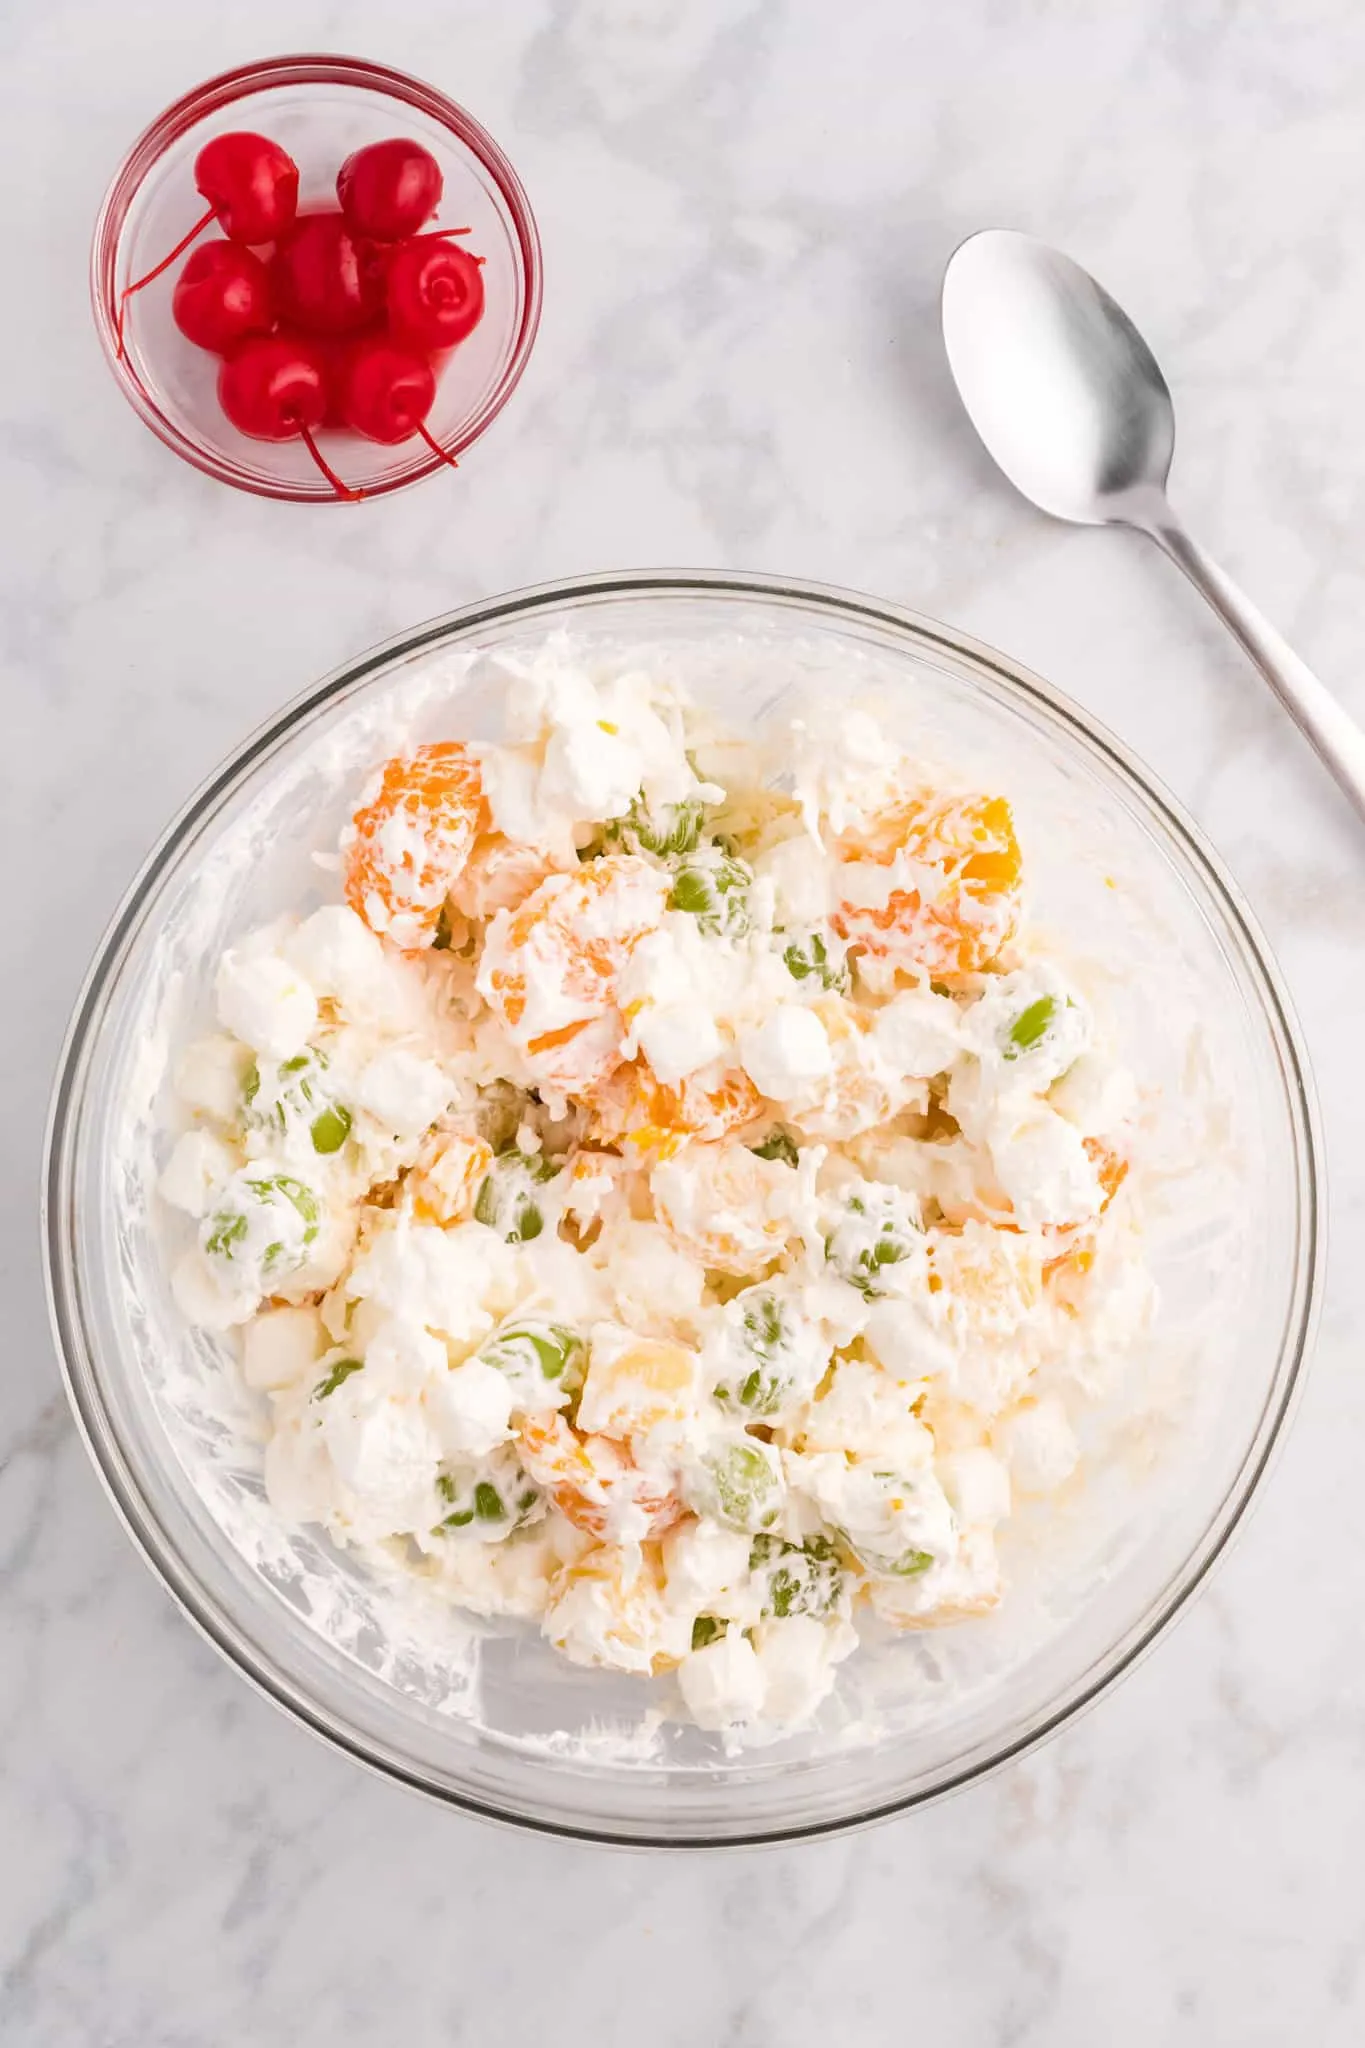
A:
(746, 206)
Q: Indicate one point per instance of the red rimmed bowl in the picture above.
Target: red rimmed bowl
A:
(319, 109)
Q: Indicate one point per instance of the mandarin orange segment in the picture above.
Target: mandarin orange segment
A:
(633, 1107)
(725, 1207)
(1111, 1167)
(1065, 1273)
(592, 1480)
(408, 845)
(550, 968)
(956, 923)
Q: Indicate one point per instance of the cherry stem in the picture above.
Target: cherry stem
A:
(342, 490)
(435, 446)
(181, 246)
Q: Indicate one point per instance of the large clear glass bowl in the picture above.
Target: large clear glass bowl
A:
(1228, 1175)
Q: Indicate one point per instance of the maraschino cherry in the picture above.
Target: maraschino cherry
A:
(385, 393)
(222, 295)
(327, 279)
(253, 192)
(390, 190)
(362, 298)
(434, 293)
(274, 387)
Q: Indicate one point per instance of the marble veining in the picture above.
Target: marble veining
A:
(746, 206)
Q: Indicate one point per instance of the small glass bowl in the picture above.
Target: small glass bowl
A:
(319, 109)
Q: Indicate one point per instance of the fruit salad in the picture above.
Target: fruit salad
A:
(668, 1198)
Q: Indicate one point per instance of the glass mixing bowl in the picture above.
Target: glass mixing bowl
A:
(1228, 1176)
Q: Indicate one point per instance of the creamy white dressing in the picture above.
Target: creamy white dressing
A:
(661, 1263)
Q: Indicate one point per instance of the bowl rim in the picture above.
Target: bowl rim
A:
(81, 1374)
(227, 89)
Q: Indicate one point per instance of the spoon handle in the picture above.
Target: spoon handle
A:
(1316, 712)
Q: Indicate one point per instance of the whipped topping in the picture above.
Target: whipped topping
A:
(698, 1239)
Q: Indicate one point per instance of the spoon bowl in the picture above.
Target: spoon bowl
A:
(1075, 411)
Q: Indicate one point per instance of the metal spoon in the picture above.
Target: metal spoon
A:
(1068, 398)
